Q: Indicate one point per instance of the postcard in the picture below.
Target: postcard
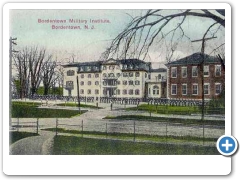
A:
(117, 89)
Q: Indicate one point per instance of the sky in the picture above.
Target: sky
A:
(88, 44)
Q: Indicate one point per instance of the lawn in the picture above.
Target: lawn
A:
(15, 136)
(81, 105)
(181, 110)
(166, 119)
(131, 136)
(70, 145)
(31, 110)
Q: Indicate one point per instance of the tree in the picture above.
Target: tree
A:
(36, 61)
(163, 27)
(22, 66)
(33, 66)
(48, 73)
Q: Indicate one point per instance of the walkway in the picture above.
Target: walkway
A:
(35, 145)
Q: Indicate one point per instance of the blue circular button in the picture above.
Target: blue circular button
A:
(227, 145)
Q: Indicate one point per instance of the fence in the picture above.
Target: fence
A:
(30, 126)
(116, 100)
(123, 129)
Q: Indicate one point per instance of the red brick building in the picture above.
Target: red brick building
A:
(185, 77)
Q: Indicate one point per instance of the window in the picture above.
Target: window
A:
(80, 68)
(104, 75)
(159, 76)
(96, 68)
(104, 92)
(89, 91)
(111, 75)
(184, 89)
(124, 91)
(82, 75)
(130, 74)
(184, 72)
(155, 90)
(81, 91)
(111, 67)
(118, 82)
(195, 89)
(69, 84)
(104, 67)
(137, 74)
(124, 82)
(70, 73)
(174, 89)
(125, 66)
(173, 72)
(96, 75)
(96, 91)
(96, 83)
(130, 92)
(145, 75)
(149, 76)
(125, 74)
(137, 92)
(206, 71)
(217, 70)
(130, 82)
(131, 66)
(88, 68)
(118, 74)
(137, 82)
(89, 83)
(217, 88)
(82, 83)
(118, 91)
(206, 88)
(89, 76)
(104, 83)
(194, 71)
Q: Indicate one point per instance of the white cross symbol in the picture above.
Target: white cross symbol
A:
(227, 145)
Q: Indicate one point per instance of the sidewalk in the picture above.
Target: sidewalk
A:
(35, 145)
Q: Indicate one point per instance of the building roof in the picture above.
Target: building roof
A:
(122, 61)
(159, 70)
(194, 59)
(91, 63)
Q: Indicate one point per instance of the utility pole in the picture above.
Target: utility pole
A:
(78, 95)
(203, 40)
(11, 51)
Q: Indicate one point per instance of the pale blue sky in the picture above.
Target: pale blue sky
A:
(87, 45)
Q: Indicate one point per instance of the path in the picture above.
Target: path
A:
(35, 145)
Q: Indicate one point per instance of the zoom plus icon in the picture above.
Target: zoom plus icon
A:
(227, 145)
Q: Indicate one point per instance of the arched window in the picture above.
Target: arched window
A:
(155, 90)
(104, 75)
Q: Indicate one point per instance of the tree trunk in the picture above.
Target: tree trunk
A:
(46, 88)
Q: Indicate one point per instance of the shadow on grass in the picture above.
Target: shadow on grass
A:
(15, 136)
(70, 145)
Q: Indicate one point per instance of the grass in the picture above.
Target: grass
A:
(70, 145)
(15, 136)
(166, 119)
(181, 110)
(130, 136)
(81, 105)
(30, 110)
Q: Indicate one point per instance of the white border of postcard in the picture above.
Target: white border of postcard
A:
(109, 164)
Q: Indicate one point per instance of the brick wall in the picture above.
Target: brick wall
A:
(189, 81)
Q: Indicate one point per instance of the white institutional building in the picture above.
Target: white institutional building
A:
(127, 78)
